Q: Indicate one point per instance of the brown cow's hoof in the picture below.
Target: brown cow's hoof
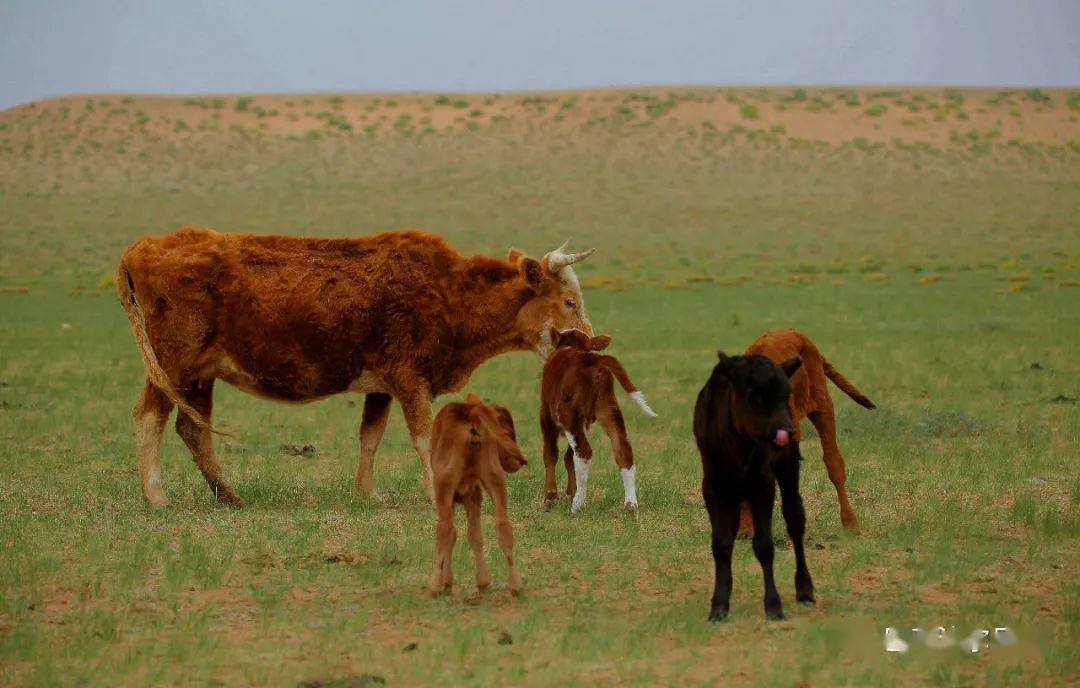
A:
(231, 500)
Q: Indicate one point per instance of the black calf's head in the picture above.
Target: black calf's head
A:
(760, 393)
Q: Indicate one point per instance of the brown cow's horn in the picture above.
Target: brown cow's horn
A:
(558, 259)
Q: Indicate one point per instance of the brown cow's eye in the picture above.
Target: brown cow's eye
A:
(571, 304)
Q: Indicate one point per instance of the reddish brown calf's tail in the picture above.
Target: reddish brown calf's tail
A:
(154, 372)
(615, 368)
(844, 384)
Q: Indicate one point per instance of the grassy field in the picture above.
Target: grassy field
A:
(941, 277)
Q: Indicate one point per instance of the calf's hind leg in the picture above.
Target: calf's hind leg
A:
(825, 423)
(200, 441)
(615, 427)
(442, 578)
(476, 535)
(150, 415)
(496, 487)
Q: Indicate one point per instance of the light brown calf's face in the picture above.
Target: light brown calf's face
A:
(557, 302)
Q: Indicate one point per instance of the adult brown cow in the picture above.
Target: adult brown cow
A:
(400, 315)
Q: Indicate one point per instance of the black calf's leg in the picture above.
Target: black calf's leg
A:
(787, 475)
(761, 507)
(724, 516)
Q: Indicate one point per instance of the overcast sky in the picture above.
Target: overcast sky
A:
(54, 47)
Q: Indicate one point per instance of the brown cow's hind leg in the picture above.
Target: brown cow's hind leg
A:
(200, 441)
(150, 415)
(372, 427)
(825, 422)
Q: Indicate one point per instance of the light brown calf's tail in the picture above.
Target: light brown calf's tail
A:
(844, 384)
(154, 372)
(615, 368)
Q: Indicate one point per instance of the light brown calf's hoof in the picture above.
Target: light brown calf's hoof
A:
(157, 501)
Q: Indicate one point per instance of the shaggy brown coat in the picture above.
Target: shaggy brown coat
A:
(810, 399)
(399, 315)
(474, 446)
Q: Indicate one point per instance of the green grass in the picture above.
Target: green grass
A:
(964, 479)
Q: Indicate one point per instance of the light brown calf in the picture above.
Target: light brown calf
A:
(474, 446)
(577, 389)
(810, 399)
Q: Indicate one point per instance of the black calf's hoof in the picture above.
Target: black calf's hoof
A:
(716, 616)
(807, 601)
(775, 614)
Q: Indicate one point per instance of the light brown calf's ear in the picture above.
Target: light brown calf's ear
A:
(791, 366)
(532, 273)
(506, 420)
(600, 342)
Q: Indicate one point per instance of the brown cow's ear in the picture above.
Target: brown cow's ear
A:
(513, 256)
(600, 342)
(532, 273)
(791, 366)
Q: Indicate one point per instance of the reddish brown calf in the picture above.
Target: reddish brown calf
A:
(810, 399)
(474, 446)
(577, 389)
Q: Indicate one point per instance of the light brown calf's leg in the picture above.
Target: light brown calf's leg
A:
(201, 444)
(150, 415)
(372, 427)
(496, 487)
(476, 535)
(417, 410)
(825, 422)
(442, 578)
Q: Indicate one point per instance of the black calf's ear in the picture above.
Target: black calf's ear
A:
(791, 366)
(725, 363)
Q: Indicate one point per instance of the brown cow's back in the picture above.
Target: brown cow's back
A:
(295, 318)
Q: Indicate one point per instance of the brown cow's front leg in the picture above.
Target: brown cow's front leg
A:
(372, 427)
(417, 410)
(200, 441)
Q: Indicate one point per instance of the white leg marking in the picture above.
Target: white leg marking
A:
(581, 469)
(570, 440)
(639, 399)
(629, 486)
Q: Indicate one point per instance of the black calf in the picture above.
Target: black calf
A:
(747, 442)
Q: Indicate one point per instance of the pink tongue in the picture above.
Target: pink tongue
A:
(782, 438)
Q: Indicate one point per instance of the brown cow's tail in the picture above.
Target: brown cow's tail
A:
(615, 368)
(154, 372)
(844, 384)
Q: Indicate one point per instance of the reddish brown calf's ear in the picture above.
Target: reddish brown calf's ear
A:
(599, 343)
(556, 338)
(791, 366)
(472, 399)
(513, 256)
(532, 273)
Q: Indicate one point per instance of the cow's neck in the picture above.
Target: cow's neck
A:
(487, 323)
